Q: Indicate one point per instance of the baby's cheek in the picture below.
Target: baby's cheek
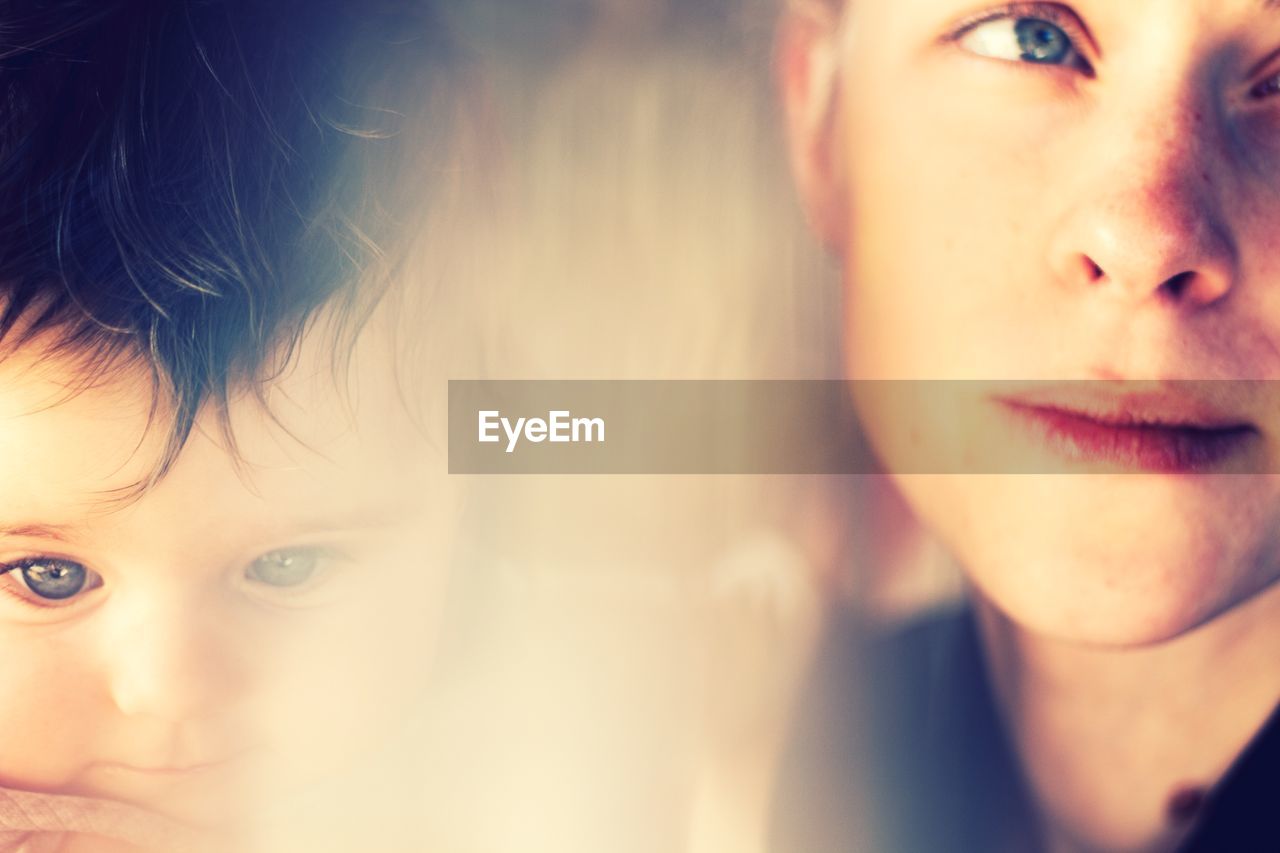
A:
(339, 685)
(49, 716)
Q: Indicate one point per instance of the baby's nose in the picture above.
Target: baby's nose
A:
(169, 658)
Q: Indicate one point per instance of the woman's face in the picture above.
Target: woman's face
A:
(1056, 192)
(240, 630)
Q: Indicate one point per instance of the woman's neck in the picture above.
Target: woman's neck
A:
(1116, 742)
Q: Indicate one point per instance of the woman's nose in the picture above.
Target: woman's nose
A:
(1149, 222)
(168, 659)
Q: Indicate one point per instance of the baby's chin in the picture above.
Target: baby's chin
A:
(82, 843)
(129, 814)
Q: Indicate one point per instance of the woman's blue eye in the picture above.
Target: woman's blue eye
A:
(54, 579)
(284, 568)
(1041, 41)
(1022, 39)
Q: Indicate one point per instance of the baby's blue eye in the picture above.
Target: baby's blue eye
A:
(1022, 39)
(54, 579)
(292, 567)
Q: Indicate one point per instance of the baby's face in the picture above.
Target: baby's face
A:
(234, 632)
(1059, 192)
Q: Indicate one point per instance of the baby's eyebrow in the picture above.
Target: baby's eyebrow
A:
(373, 517)
(60, 532)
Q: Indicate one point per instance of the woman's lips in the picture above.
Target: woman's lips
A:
(1135, 436)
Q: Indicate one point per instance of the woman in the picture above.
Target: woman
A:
(1072, 207)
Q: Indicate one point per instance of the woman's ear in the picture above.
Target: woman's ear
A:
(805, 60)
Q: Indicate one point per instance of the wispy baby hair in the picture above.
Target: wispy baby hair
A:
(184, 182)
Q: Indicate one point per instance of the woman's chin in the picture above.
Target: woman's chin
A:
(1110, 561)
(1141, 602)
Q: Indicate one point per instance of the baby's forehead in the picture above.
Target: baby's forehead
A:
(318, 436)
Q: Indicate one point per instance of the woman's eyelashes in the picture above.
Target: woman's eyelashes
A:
(1268, 88)
(48, 581)
(1053, 36)
(1037, 34)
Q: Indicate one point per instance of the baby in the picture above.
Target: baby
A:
(223, 528)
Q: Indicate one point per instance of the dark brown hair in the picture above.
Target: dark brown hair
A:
(183, 183)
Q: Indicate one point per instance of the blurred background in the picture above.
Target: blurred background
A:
(624, 652)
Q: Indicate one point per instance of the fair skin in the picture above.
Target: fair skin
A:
(1102, 212)
(241, 630)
